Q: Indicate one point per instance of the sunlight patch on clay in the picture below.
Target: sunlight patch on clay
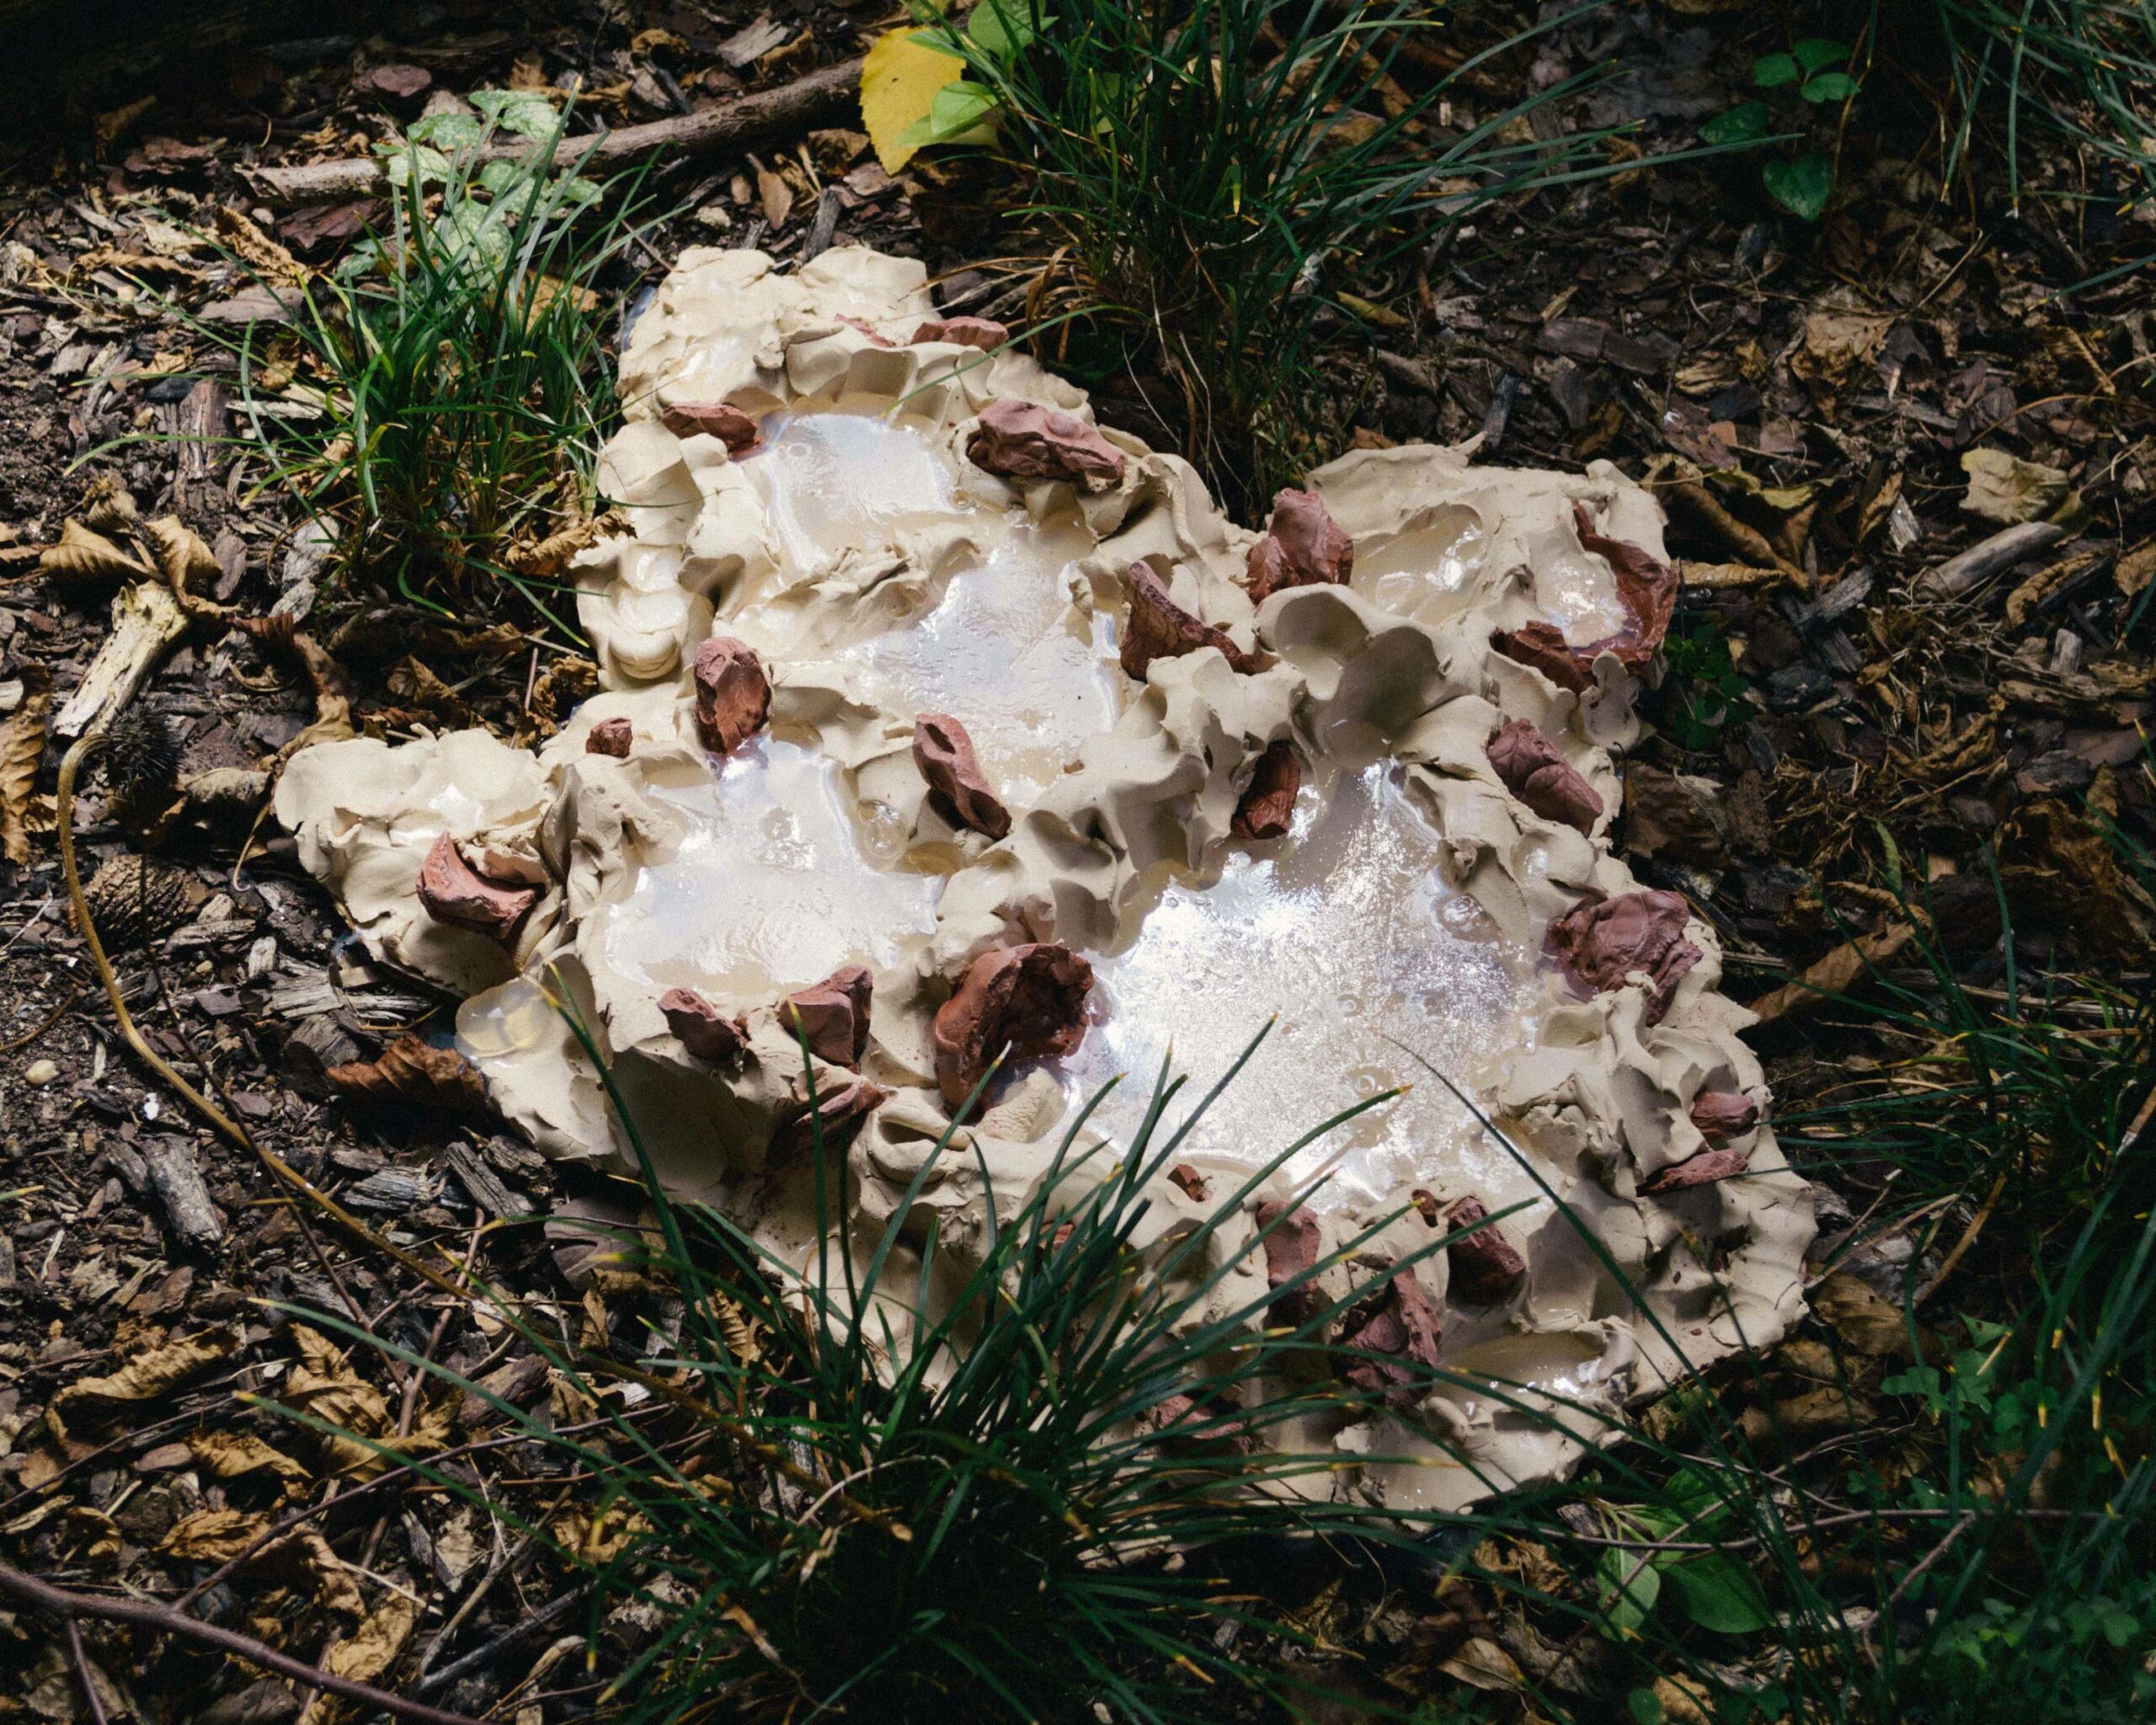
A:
(846, 475)
(771, 889)
(1347, 929)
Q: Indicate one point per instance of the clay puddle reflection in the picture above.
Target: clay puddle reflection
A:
(1029, 675)
(841, 476)
(771, 889)
(1349, 932)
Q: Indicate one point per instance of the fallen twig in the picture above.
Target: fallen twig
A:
(827, 95)
(72, 1608)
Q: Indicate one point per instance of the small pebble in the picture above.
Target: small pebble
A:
(41, 1072)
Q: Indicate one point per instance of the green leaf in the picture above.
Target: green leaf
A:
(1814, 52)
(1830, 86)
(1801, 187)
(1718, 1593)
(1627, 1586)
(450, 130)
(1004, 28)
(1770, 70)
(526, 111)
(1744, 123)
(1645, 1707)
(399, 162)
(958, 108)
(501, 177)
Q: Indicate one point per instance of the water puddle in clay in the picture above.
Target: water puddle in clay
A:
(1005, 653)
(1424, 575)
(1574, 589)
(770, 890)
(841, 476)
(1347, 931)
(1559, 1364)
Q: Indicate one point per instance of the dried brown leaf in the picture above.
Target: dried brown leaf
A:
(412, 1069)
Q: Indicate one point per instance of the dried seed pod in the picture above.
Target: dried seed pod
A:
(142, 756)
(136, 899)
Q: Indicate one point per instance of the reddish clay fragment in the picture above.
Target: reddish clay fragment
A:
(1189, 1182)
(1723, 1114)
(1486, 1266)
(733, 697)
(1543, 647)
(1184, 1419)
(982, 333)
(1030, 1000)
(1158, 628)
(961, 792)
(1701, 1170)
(1600, 946)
(1647, 586)
(837, 1113)
(832, 1016)
(706, 1031)
(876, 337)
(1403, 1326)
(1022, 439)
(1267, 804)
(1534, 771)
(721, 420)
(454, 892)
(610, 736)
(1303, 547)
(1290, 1249)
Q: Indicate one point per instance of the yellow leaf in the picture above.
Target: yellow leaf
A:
(899, 82)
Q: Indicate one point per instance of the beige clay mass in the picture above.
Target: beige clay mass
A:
(796, 474)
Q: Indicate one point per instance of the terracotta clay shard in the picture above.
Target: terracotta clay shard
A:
(1404, 1327)
(836, 1116)
(1533, 770)
(1485, 1266)
(729, 424)
(1291, 1249)
(1723, 1114)
(1600, 946)
(944, 753)
(1030, 1000)
(832, 1016)
(1267, 807)
(1701, 1170)
(1158, 628)
(1022, 439)
(1646, 585)
(610, 736)
(982, 333)
(453, 891)
(705, 1031)
(1189, 1182)
(733, 697)
(1303, 547)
